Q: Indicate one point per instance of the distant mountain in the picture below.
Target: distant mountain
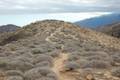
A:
(8, 28)
(112, 29)
(99, 21)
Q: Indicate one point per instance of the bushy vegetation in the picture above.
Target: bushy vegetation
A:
(97, 64)
(116, 57)
(71, 66)
(14, 78)
(19, 65)
(41, 58)
(3, 63)
(36, 51)
(42, 73)
(44, 64)
(14, 73)
(116, 72)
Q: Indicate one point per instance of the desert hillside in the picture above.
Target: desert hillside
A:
(112, 29)
(58, 50)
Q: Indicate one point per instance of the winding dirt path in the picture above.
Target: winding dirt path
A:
(58, 67)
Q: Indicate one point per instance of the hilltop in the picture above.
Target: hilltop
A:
(58, 50)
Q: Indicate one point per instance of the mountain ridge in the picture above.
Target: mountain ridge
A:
(100, 20)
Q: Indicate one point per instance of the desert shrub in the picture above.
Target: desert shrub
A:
(24, 58)
(116, 58)
(54, 53)
(92, 53)
(71, 66)
(28, 55)
(42, 57)
(97, 64)
(82, 62)
(3, 63)
(116, 72)
(36, 51)
(58, 47)
(32, 46)
(14, 73)
(98, 57)
(73, 57)
(2, 54)
(44, 64)
(41, 73)
(14, 78)
(19, 65)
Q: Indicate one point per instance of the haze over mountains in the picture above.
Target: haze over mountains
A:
(100, 21)
(58, 50)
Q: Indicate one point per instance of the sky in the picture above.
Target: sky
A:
(21, 11)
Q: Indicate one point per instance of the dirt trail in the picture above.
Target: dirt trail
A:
(58, 67)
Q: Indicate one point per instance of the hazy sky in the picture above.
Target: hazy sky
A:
(21, 11)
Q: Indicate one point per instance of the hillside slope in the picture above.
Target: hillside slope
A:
(58, 50)
(112, 29)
